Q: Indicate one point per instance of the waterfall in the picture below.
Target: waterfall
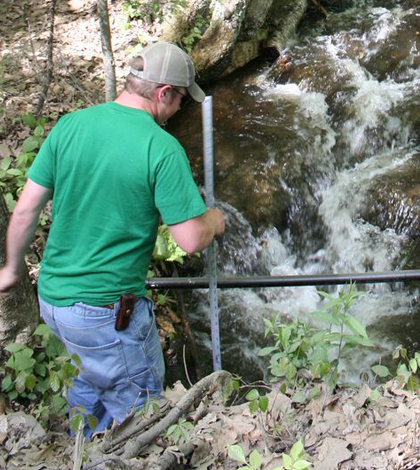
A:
(317, 172)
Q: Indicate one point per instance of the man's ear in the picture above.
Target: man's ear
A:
(163, 94)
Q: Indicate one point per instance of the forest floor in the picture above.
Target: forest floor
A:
(344, 429)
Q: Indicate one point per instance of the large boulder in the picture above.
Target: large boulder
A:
(393, 202)
(225, 35)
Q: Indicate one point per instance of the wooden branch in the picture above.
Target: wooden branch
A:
(169, 458)
(118, 462)
(50, 47)
(132, 427)
(109, 64)
(135, 446)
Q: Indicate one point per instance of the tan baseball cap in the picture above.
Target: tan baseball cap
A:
(167, 64)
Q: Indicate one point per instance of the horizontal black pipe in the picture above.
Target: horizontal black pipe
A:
(283, 281)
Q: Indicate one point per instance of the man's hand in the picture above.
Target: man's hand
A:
(7, 280)
(218, 221)
(20, 232)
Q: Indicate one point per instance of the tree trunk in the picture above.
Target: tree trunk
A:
(109, 64)
(19, 314)
(49, 69)
(291, 13)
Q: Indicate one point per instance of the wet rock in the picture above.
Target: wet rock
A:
(225, 36)
(395, 199)
(393, 202)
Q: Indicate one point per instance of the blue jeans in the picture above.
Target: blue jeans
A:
(120, 370)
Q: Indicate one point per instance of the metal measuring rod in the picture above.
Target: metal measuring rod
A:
(207, 112)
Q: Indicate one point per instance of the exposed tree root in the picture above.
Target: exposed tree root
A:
(125, 443)
(132, 427)
(135, 446)
(170, 458)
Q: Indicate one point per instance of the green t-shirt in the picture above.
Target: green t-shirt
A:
(114, 173)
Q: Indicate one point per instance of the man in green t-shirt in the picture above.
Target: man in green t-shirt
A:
(113, 173)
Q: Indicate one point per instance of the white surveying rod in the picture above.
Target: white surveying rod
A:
(207, 110)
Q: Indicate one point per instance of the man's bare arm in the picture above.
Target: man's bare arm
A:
(195, 234)
(21, 230)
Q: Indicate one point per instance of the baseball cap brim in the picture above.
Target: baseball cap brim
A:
(196, 93)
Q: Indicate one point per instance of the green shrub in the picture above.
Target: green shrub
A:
(303, 353)
(13, 170)
(39, 375)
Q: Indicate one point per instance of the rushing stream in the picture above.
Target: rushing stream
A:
(318, 171)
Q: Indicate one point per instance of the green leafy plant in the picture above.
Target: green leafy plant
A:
(231, 389)
(155, 12)
(256, 401)
(166, 248)
(406, 371)
(166, 251)
(150, 406)
(345, 331)
(291, 353)
(41, 374)
(13, 170)
(303, 353)
(180, 431)
(195, 33)
(294, 461)
(79, 418)
(299, 356)
(134, 10)
(164, 298)
(150, 11)
(236, 452)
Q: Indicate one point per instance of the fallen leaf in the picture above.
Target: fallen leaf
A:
(377, 461)
(380, 442)
(362, 396)
(331, 453)
(386, 402)
(356, 438)
(404, 410)
(5, 151)
(175, 393)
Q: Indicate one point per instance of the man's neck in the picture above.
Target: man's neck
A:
(132, 100)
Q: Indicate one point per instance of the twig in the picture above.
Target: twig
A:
(78, 448)
(318, 4)
(185, 366)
